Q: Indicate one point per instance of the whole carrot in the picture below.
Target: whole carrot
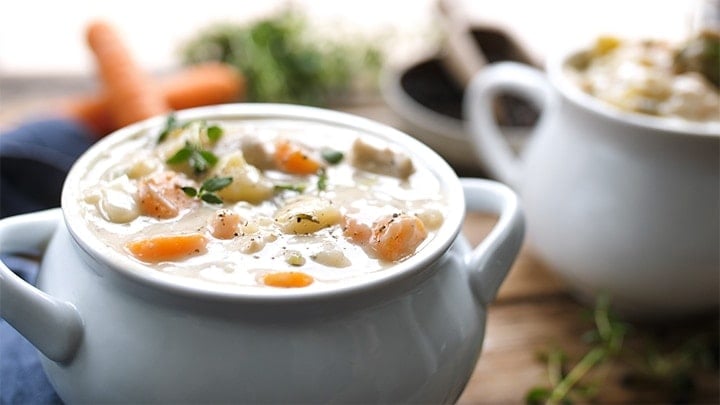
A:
(198, 85)
(131, 95)
(203, 84)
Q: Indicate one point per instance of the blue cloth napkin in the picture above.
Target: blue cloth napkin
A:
(34, 159)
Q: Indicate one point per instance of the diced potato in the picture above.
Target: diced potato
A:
(117, 203)
(307, 214)
(331, 256)
(142, 167)
(249, 244)
(248, 183)
(294, 258)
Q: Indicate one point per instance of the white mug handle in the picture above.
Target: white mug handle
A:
(53, 326)
(491, 260)
(491, 146)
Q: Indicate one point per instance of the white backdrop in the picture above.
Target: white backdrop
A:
(46, 36)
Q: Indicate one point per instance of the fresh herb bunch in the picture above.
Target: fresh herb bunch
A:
(283, 62)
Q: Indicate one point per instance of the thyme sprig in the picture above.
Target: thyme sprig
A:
(670, 372)
(207, 190)
(199, 159)
(608, 340)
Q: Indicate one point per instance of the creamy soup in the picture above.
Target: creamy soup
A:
(653, 77)
(268, 203)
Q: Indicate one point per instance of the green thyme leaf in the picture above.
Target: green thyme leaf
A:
(214, 133)
(332, 156)
(189, 191)
(208, 186)
(210, 198)
(180, 156)
(200, 160)
(216, 183)
(209, 157)
(290, 187)
(322, 180)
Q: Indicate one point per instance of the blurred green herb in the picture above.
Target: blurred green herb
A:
(700, 54)
(213, 132)
(670, 372)
(332, 156)
(283, 61)
(207, 189)
(565, 386)
(322, 180)
(171, 124)
(299, 188)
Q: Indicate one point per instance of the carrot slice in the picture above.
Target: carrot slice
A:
(291, 158)
(167, 247)
(288, 279)
(131, 94)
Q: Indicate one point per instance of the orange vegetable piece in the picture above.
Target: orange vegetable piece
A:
(131, 95)
(288, 279)
(291, 158)
(203, 84)
(168, 247)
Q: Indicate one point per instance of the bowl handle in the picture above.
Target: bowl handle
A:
(491, 146)
(53, 326)
(491, 260)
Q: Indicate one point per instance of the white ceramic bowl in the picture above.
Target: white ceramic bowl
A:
(617, 203)
(111, 330)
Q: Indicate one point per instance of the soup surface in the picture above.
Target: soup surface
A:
(268, 203)
(653, 77)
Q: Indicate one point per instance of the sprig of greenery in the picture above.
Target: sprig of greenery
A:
(672, 372)
(208, 188)
(213, 132)
(171, 124)
(299, 188)
(322, 179)
(199, 159)
(609, 336)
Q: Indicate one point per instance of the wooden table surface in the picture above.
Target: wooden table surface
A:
(534, 311)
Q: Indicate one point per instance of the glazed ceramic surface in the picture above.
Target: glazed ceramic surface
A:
(617, 203)
(110, 330)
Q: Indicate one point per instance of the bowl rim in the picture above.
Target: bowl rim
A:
(556, 65)
(131, 269)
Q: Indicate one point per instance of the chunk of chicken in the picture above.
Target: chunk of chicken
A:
(381, 159)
